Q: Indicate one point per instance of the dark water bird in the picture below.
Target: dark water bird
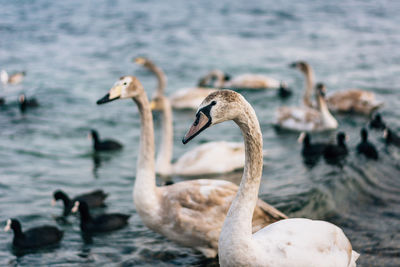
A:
(365, 147)
(101, 223)
(103, 145)
(311, 152)
(35, 237)
(377, 122)
(335, 154)
(93, 199)
(391, 138)
(25, 103)
(2, 101)
(284, 91)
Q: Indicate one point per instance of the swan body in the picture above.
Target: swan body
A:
(190, 213)
(306, 118)
(206, 159)
(252, 81)
(347, 101)
(189, 98)
(14, 78)
(290, 242)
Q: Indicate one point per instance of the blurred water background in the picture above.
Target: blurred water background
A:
(73, 51)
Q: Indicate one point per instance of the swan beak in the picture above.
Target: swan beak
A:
(75, 207)
(200, 124)
(152, 105)
(140, 60)
(114, 94)
(53, 202)
(8, 226)
(301, 137)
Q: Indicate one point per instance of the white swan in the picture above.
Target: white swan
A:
(306, 118)
(187, 98)
(290, 242)
(349, 100)
(14, 78)
(248, 81)
(205, 159)
(190, 213)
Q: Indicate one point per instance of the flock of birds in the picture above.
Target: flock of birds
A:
(216, 217)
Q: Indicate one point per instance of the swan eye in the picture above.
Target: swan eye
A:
(124, 83)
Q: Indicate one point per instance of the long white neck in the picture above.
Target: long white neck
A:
(309, 84)
(145, 193)
(236, 234)
(327, 119)
(164, 156)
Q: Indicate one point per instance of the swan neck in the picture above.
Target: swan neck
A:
(309, 84)
(161, 77)
(145, 183)
(237, 228)
(328, 120)
(164, 157)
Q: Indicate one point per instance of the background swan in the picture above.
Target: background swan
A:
(205, 159)
(249, 81)
(13, 78)
(349, 100)
(187, 98)
(290, 242)
(190, 213)
(306, 118)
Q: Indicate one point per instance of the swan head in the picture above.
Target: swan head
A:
(125, 87)
(300, 65)
(143, 61)
(217, 107)
(321, 89)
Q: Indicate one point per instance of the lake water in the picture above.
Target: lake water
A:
(73, 52)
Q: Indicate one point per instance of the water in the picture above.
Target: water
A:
(73, 51)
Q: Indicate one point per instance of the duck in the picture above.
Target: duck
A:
(13, 78)
(183, 99)
(365, 147)
(94, 199)
(377, 122)
(103, 145)
(100, 223)
(391, 138)
(206, 159)
(33, 238)
(308, 119)
(344, 101)
(288, 242)
(25, 103)
(335, 154)
(190, 212)
(311, 152)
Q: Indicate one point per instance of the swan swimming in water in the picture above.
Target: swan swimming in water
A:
(190, 213)
(290, 242)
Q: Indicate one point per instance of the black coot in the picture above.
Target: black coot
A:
(284, 91)
(25, 103)
(101, 223)
(36, 237)
(391, 138)
(365, 147)
(335, 154)
(93, 199)
(105, 145)
(377, 122)
(310, 152)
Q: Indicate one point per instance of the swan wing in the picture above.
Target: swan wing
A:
(353, 100)
(298, 118)
(304, 242)
(189, 98)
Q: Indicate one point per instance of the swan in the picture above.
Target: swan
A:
(190, 213)
(289, 242)
(187, 98)
(206, 159)
(14, 78)
(306, 118)
(349, 100)
(247, 81)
